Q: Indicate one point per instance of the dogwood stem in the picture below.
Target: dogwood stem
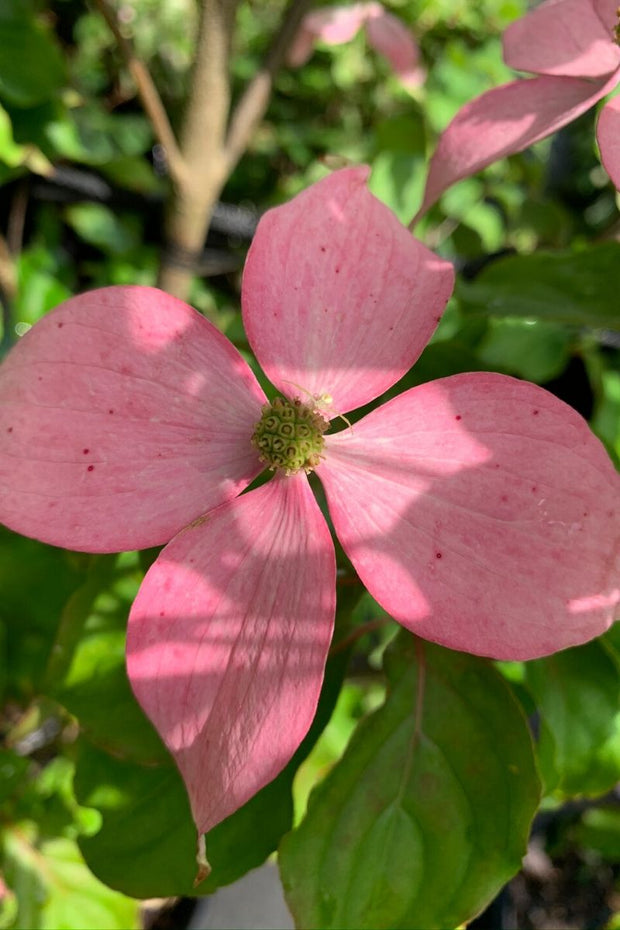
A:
(210, 151)
(202, 147)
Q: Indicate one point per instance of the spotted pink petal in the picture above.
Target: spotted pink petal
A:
(562, 37)
(228, 639)
(482, 514)
(608, 135)
(124, 414)
(338, 298)
(391, 38)
(506, 120)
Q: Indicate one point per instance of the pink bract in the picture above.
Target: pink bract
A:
(570, 45)
(479, 510)
(385, 33)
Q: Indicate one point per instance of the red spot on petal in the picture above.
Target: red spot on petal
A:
(90, 468)
(85, 451)
(535, 413)
(162, 613)
(458, 417)
(9, 429)
(337, 269)
(504, 497)
(438, 555)
(534, 489)
(323, 249)
(60, 325)
(110, 411)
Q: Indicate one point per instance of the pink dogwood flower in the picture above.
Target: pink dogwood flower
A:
(478, 509)
(336, 25)
(572, 45)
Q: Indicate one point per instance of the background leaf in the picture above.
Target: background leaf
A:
(578, 697)
(55, 889)
(31, 67)
(573, 287)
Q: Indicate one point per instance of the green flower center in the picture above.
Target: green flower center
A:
(289, 436)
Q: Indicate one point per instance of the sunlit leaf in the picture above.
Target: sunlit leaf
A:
(54, 888)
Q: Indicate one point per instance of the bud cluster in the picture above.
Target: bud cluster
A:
(289, 436)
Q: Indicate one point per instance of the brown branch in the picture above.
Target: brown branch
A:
(151, 101)
(207, 153)
(252, 106)
(8, 290)
(202, 145)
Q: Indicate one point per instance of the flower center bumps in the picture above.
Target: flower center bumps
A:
(289, 436)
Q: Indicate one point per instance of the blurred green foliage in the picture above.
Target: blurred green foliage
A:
(82, 199)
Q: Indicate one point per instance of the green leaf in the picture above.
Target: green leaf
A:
(427, 814)
(15, 155)
(35, 581)
(54, 888)
(534, 350)
(578, 697)
(398, 180)
(92, 683)
(31, 65)
(578, 288)
(39, 283)
(13, 770)
(146, 846)
(103, 228)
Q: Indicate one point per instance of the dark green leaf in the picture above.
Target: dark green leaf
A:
(578, 288)
(35, 581)
(31, 66)
(147, 843)
(92, 683)
(536, 351)
(578, 697)
(427, 813)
